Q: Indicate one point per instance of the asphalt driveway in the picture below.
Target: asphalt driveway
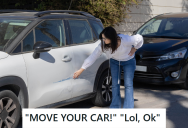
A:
(171, 97)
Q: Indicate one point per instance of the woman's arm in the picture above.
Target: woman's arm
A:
(92, 58)
(89, 60)
(133, 50)
(139, 41)
(136, 40)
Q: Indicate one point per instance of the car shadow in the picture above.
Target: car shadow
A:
(47, 57)
(81, 104)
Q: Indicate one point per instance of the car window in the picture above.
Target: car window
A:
(28, 42)
(51, 31)
(169, 26)
(162, 27)
(81, 31)
(177, 26)
(9, 30)
(97, 28)
(152, 27)
(18, 49)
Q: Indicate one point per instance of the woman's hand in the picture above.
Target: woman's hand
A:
(77, 73)
(133, 50)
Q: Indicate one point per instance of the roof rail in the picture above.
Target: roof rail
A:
(39, 14)
(15, 10)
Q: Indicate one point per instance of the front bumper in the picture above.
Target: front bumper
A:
(159, 72)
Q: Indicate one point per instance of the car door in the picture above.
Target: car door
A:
(49, 76)
(83, 44)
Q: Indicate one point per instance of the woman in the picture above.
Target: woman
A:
(121, 51)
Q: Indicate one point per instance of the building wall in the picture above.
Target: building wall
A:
(148, 9)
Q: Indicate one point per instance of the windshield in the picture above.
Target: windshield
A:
(165, 28)
(9, 29)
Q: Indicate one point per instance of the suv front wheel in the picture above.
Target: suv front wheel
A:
(9, 109)
(104, 91)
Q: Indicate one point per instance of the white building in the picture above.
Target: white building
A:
(148, 9)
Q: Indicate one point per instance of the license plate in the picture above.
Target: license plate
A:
(141, 68)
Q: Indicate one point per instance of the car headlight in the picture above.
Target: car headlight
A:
(180, 53)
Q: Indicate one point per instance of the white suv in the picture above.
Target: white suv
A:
(39, 53)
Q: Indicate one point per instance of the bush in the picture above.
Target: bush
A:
(109, 11)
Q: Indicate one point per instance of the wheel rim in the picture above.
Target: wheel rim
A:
(7, 112)
(107, 89)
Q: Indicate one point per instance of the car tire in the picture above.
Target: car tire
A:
(185, 84)
(10, 109)
(103, 95)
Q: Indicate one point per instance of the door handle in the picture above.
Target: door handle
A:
(66, 58)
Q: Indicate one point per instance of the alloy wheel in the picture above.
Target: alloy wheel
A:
(7, 112)
(107, 89)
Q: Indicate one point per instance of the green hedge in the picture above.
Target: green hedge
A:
(109, 11)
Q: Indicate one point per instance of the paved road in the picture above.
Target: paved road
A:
(171, 97)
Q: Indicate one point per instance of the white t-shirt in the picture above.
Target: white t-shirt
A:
(121, 53)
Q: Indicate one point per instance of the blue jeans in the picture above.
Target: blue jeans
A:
(129, 69)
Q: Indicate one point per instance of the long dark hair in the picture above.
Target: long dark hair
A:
(110, 33)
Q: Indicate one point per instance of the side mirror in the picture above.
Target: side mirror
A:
(39, 47)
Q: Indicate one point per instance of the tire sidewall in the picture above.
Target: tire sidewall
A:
(11, 95)
(99, 89)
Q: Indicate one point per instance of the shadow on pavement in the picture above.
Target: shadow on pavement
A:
(177, 108)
